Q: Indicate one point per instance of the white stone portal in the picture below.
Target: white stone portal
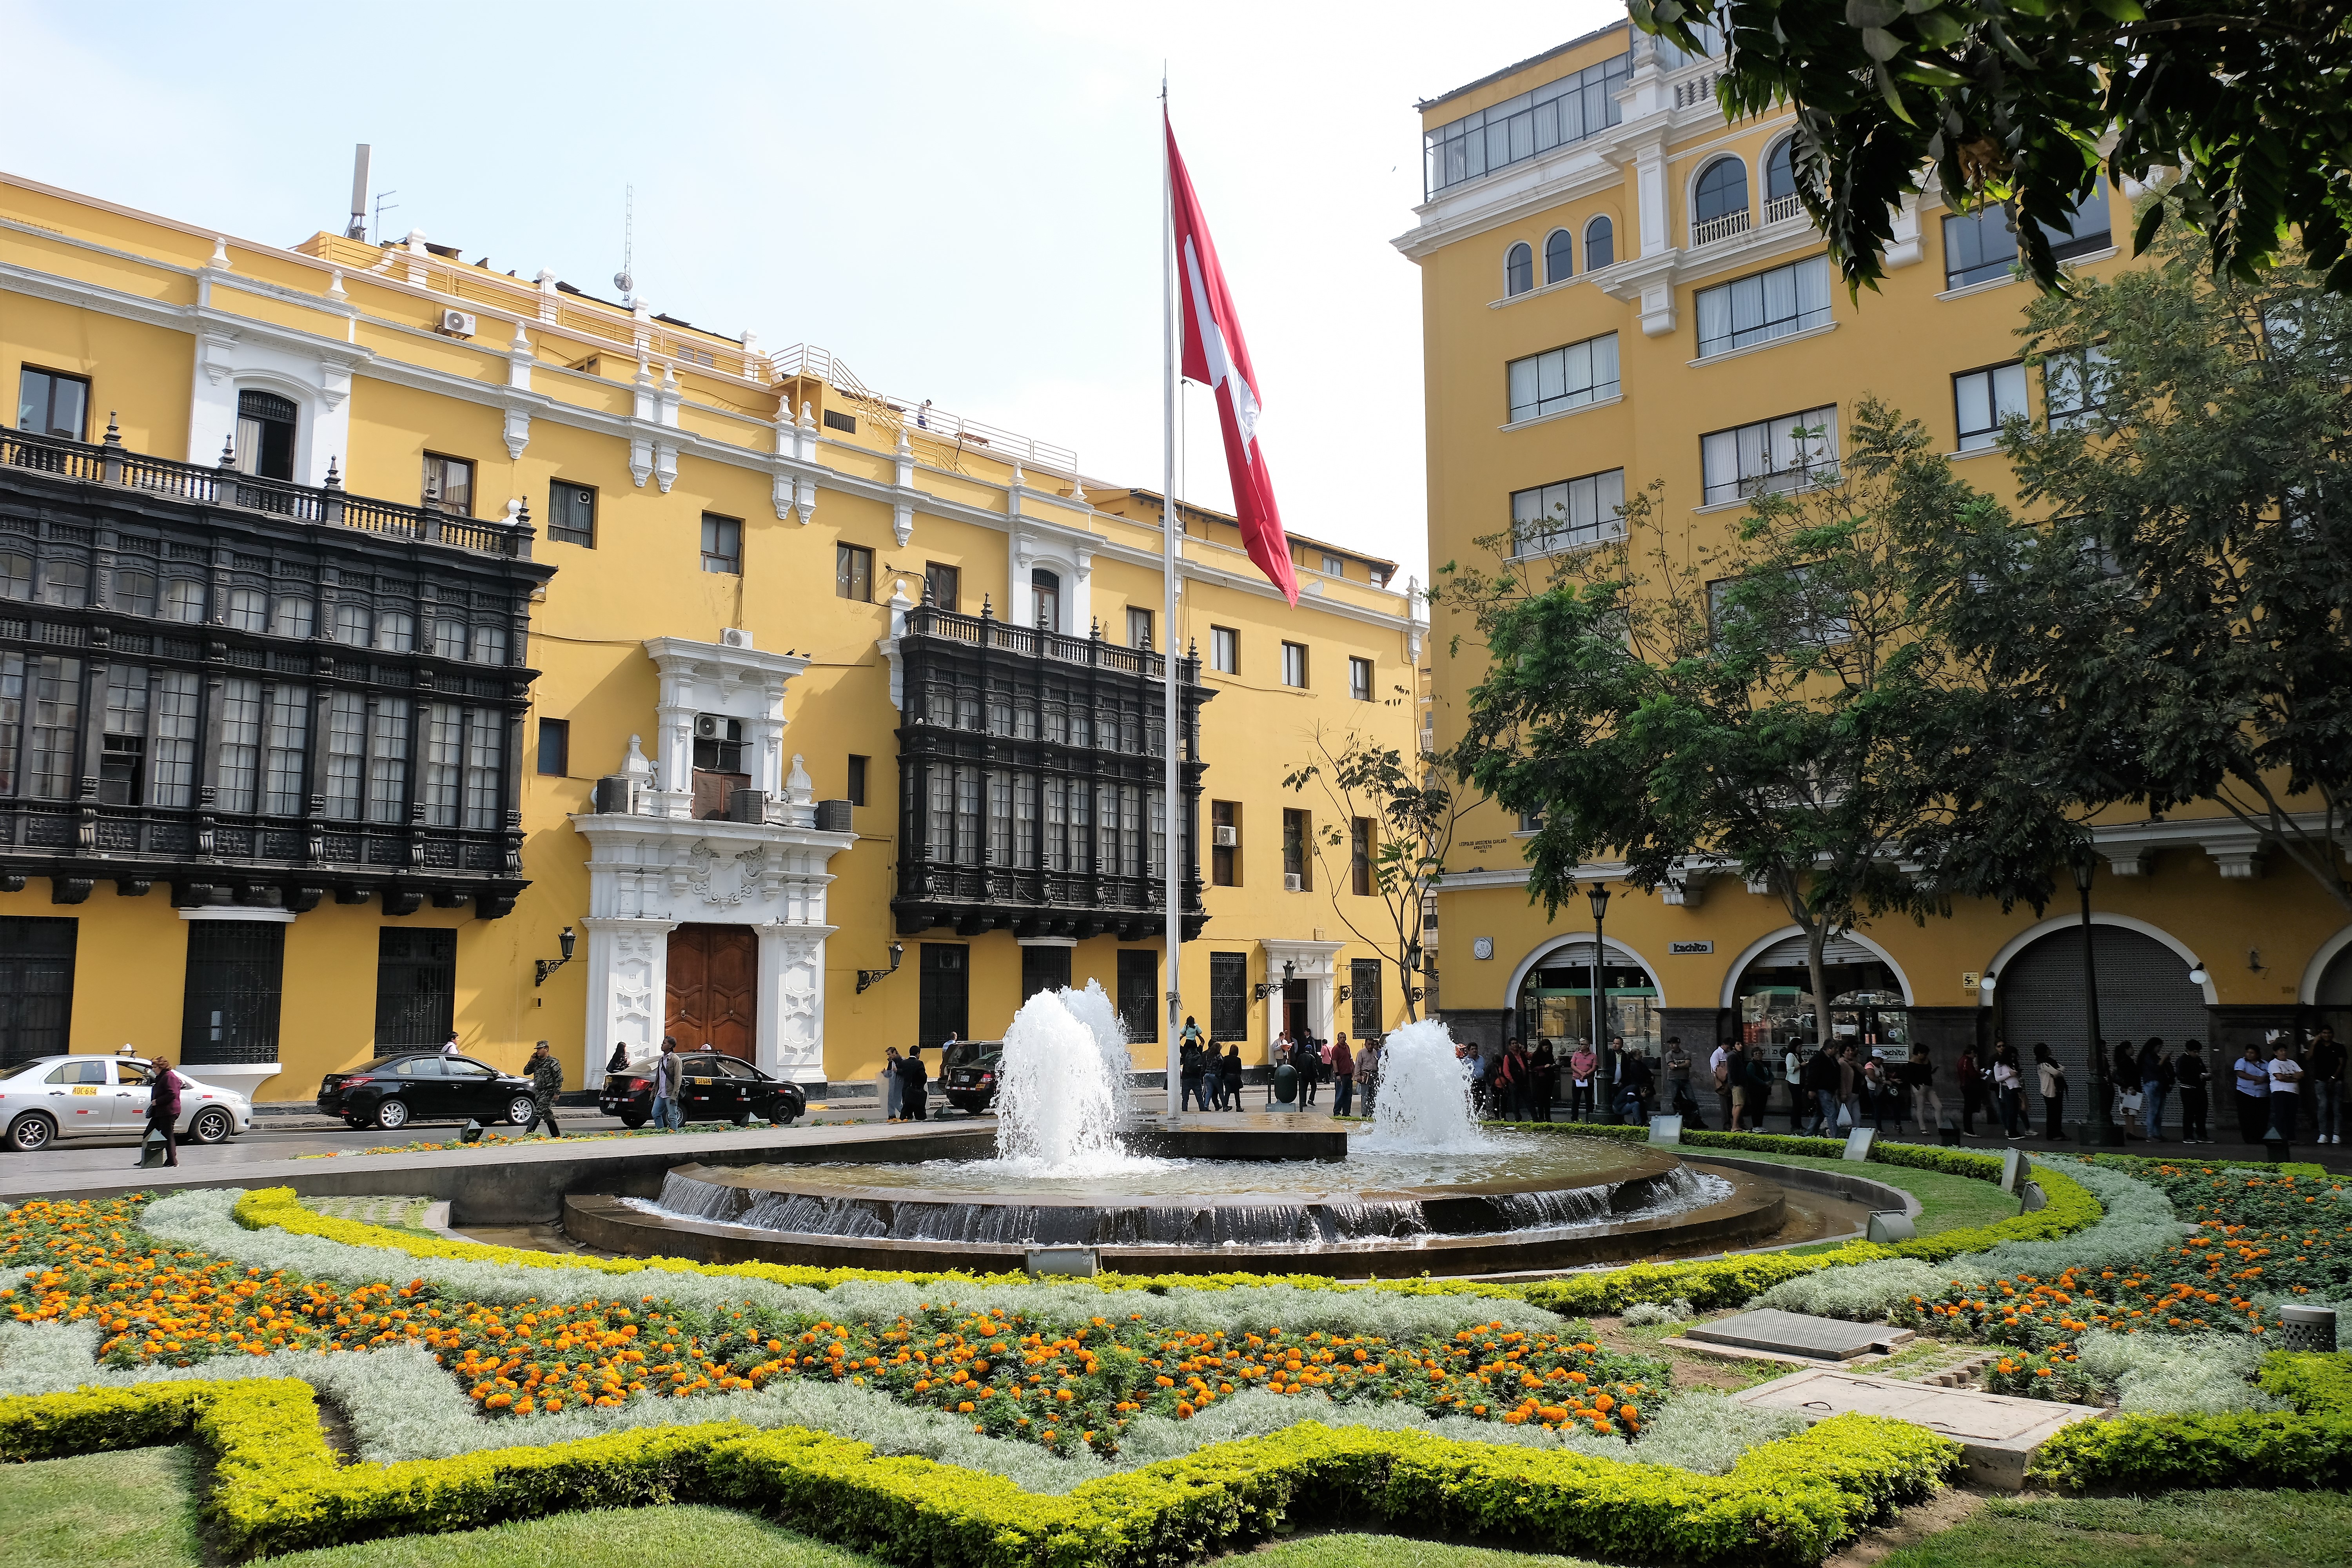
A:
(655, 867)
(1309, 962)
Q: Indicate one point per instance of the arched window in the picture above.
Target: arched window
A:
(1560, 256)
(1045, 599)
(1599, 245)
(1520, 268)
(264, 434)
(1721, 193)
(1780, 172)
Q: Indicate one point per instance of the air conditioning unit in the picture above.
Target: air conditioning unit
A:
(1228, 836)
(706, 727)
(458, 323)
(735, 637)
(1292, 882)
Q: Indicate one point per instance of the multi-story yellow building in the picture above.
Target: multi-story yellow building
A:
(819, 723)
(1618, 286)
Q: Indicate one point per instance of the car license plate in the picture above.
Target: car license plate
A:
(704, 1082)
(85, 1091)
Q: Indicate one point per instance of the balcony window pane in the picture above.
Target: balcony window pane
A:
(486, 746)
(292, 616)
(1750, 311)
(346, 753)
(65, 584)
(445, 743)
(239, 768)
(56, 728)
(387, 785)
(174, 696)
(287, 762)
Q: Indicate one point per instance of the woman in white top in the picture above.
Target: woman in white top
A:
(2286, 1090)
(2009, 1090)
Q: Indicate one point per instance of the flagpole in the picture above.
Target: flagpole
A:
(1170, 644)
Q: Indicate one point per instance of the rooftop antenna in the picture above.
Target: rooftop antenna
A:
(358, 229)
(382, 207)
(620, 280)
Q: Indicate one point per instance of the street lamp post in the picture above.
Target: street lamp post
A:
(1598, 895)
(2104, 1131)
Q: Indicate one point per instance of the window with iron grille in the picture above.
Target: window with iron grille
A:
(570, 513)
(415, 986)
(37, 978)
(228, 1011)
(1044, 968)
(1229, 998)
(1139, 994)
(942, 1007)
(1364, 995)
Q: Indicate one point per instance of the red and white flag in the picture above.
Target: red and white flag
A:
(1215, 356)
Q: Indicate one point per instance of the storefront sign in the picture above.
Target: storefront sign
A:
(1684, 949)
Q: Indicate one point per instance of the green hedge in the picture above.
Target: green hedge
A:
(2315, 1383)
(2157, 1453)
(1733, 1281)
(278, 1489)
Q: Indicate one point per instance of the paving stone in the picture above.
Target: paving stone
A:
(1796, 1334)
(1997, 1433)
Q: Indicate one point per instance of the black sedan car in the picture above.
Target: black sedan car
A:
(968, 1076)
(391, 1091)
(714, 1088)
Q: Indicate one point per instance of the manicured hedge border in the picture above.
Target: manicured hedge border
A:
(278, 1488)
(2157, 1453)
(2315, 1383)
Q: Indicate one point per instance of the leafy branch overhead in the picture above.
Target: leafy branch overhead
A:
(2021, 101)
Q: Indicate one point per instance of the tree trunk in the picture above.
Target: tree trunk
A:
(1412, 1007)
(1817, 936)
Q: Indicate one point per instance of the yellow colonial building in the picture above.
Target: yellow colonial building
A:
(1618, 288)
(378, 631)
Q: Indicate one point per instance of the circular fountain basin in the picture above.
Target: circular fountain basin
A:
(1522, 1202)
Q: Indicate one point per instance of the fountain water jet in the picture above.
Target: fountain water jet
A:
(1423, 1102)
(1062, 1094)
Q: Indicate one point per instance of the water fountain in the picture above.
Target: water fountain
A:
(1070, 1164)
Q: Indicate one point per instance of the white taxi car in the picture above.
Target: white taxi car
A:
(51, 1097)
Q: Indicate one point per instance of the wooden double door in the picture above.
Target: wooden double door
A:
(714, 989)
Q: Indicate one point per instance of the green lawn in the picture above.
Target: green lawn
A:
(2177, 1529)
(1946, 1203)
(137, 1510)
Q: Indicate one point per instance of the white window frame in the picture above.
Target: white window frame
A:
(1790, 461)
(1568, 514)
(1574, 375)
(1984, 397)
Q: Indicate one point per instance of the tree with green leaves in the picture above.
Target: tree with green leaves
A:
(1784, 706)
(2021, 101)
(2184, 618)
(1412, 813)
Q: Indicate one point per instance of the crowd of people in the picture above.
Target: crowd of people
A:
(1211, 1073)
(2284, 1088)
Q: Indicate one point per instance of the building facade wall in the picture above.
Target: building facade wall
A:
(2263, 930)
(668, 425)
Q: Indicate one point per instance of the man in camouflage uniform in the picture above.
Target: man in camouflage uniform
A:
(546, 1083)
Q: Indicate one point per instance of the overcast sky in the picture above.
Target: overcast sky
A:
(959, 200)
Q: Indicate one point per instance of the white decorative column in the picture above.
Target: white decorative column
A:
(628, 986)
(792, 1000)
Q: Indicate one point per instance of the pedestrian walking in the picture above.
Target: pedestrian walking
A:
(2324, 1071)
(1233, 1079)
(2009, 1091)
(1971, 1074)
(1545, 1075)
(2156, 1077)
(2286, 1088)
(1511, 1087)
(1193, 1073)
(1821, 1082)
(449, 1046)
(2191, 1076)
(894, 1091)
(2254, 1083)
(546, 1083)
(1678, 1065)
(1927, 1105)
(667, 1069)
(1368, 1073)
(2053, 1092)
(2124, 1073)
(1719, 1072)
(913, 1075)
(1343, 1078)
(164, 1087)
(1308, 1059)
(1581, 1065)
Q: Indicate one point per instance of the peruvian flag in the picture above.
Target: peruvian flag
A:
(1215, 356)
